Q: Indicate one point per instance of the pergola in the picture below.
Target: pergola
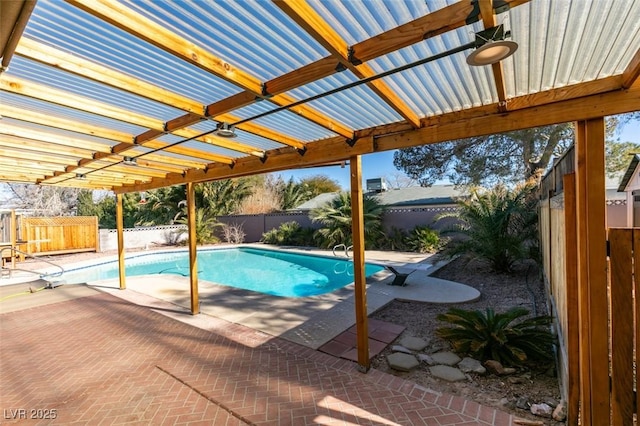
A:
(132, 95)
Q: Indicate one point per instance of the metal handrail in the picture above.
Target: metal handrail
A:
(346, 249)
(42, 274)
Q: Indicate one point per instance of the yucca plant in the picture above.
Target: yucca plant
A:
(506, 337)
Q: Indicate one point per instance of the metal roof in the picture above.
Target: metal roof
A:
(87, 83)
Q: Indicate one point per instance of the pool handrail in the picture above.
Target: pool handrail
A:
(43, 275)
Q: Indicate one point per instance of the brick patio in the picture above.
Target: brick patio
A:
(102, 360)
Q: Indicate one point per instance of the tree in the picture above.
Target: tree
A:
(487, 160)
(319, 184)
(617, 156)
(335, 216)
(293, 194)
(44, 200)
(224, 197)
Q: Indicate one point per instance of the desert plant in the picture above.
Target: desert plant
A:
(205, 226)
(423, 239)
(335, 217)
(233, 233)
(289, 233)
(505, 337)
(499, 225)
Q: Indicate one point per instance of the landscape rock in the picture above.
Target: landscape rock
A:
(445, 358)
(523, 403)
(402, 362)
(542, 410)
(413, 343)
(560, 413)
(550, 402)
(494, 367)
(398, 348)
(515, 380)
(426, 359)
(508, 370)
(470, 365)
(445, 372)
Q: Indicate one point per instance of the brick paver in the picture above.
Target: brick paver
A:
(102, 360)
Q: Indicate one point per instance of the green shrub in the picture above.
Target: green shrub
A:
(423, 239)
(500, 225)
(289, 234)
(487, 335)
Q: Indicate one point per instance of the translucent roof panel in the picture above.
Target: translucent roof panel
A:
(13, 123)
(357, 107)
(284, 122)
(356, 21)
(243, 29)
(443, 85)
(572, 41)
(60, 80)
(54, 110)
(70, 29)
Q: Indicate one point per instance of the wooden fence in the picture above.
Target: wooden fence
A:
(58, 235)
(559, 242)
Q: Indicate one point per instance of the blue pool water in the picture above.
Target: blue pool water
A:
(266, 271)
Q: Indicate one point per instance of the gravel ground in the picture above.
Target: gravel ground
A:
(500, 291)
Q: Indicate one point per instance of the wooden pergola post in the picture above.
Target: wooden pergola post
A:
(357, 225)
(592, 275)
(193, 252)
(120, 232)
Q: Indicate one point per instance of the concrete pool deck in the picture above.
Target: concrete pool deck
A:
(308, 321)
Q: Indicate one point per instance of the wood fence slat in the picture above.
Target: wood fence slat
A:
(636, 273)
(620, 267)
(571, 289)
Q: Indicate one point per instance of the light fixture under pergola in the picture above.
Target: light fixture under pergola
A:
(491, 47)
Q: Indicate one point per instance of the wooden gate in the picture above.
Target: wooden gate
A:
(58, 235)
(624, 266)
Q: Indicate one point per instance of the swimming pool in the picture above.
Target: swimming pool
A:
(277, 273)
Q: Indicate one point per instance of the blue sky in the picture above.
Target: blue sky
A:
(381, 164)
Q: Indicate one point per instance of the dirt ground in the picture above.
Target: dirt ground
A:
(523, 288)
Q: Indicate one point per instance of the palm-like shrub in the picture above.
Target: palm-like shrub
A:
(205, 226)
(506, 337)
(289, 233)
(500, 225)
(335, 216)
(423, 239)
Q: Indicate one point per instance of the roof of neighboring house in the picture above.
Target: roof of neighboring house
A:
(413, 196)
(629, 173)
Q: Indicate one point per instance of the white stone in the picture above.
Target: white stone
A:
(402, 362)
(470, 365)
(542, 410)
(413, 343)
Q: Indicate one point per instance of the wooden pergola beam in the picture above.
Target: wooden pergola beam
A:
(304, 15)
(631, 73)
(66, 99)
(489, 21)
(147, 30)
(466, 125)
(196, 111)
